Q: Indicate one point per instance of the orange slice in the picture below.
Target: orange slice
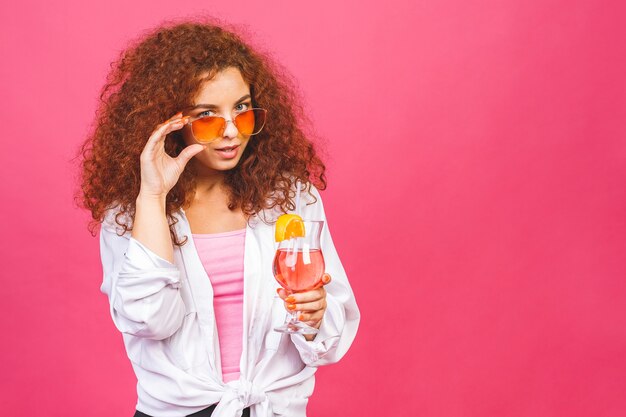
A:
(288, 226)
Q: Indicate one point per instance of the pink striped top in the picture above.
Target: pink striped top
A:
(222, 257)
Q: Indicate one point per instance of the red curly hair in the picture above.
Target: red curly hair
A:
(160, 73)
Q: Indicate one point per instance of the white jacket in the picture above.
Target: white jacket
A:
(165, 312)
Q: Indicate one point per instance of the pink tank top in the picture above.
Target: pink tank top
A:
(222, 257)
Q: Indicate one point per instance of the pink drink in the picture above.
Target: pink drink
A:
(303, 276)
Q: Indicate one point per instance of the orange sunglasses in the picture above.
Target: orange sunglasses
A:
(206, 128)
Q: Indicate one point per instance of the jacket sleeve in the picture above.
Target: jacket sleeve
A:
(143, 288)
(341, 318)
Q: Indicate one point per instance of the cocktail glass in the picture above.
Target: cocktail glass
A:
(299, 267)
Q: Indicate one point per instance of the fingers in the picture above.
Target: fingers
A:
(312, 306)
(325, 280)
(188, 153)
(312, 295)
(160, 133)
(309, 296)
(312, 319)
(305, 301)
(309, 301)
(178, 115)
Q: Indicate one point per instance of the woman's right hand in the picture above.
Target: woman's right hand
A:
(159, 171)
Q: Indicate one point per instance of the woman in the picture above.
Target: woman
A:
(187, 237)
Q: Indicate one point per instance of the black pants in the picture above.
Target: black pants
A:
(202, 413)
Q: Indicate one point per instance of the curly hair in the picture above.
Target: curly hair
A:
(160, 73)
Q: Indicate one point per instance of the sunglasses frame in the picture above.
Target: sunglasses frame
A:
(233, 121)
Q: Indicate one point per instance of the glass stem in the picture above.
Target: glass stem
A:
(293, 316)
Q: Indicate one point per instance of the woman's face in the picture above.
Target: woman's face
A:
(226, 95)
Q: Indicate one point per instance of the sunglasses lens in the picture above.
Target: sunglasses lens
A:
(250, 122)
(208, 128)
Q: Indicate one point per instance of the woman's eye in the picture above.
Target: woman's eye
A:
(205, 113)
(244, 106)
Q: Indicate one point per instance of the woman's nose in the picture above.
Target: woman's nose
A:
(230, 130)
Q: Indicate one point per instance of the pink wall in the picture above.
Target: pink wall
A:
(477, 166)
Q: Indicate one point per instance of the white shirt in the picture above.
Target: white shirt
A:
(165, 313)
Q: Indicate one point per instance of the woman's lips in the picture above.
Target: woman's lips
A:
(228, 152)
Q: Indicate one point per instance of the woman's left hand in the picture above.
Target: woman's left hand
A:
(311, 305)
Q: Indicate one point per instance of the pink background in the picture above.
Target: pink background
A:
(477, 167)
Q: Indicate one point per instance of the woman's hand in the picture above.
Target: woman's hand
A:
(311, 305)
(159, 171)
